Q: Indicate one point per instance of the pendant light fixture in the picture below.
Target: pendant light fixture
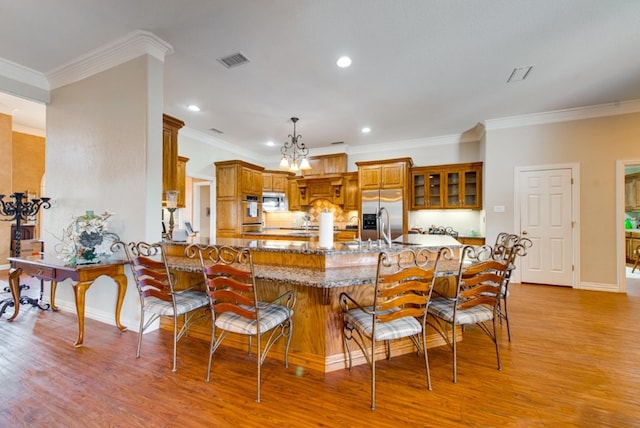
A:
(294, 152)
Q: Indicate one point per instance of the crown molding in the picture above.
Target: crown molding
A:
(467, 137)
(131, 46)
(22, 74)
(601, 110)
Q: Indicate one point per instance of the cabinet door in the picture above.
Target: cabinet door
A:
(636, 193)
(226, 181)
(392, 176)
(181, 179)
(453, 195)
(435, 189)
(278, 183)
(227, 218)
(351, 192)
(267, 182)
(294, 196)
(629, 194)
(370, 177)
(418, 187)
(472, 190)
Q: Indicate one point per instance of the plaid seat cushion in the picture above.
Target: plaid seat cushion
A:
(185, 302)
(270, 317)
(443, 309)
(396, 329)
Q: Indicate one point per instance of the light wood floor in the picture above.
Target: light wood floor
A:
(574, 362)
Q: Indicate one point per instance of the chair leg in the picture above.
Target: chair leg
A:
(259, 358)
(454, 351)
(175, 342)
(426, 358)
(140, 332)
(506, 316)
(635, 265)
(373, 375)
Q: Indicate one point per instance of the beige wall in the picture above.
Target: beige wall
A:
(104, 152)
(595, 145)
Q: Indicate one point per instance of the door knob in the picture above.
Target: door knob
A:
(524, 232)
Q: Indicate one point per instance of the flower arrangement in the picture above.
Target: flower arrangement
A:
(83, 241)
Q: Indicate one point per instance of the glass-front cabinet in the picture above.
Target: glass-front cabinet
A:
(447, 186)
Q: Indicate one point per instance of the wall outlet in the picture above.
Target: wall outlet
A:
(498, 208)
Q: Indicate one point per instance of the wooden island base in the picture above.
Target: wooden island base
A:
(317, 341)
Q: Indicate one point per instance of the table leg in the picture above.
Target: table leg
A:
(79, 290)
(14, 286)
(54, 286)
(121, 280)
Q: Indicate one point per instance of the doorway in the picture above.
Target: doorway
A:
(202, 218)
(546, 211)
(628, 281)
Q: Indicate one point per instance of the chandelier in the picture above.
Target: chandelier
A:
(294, 152)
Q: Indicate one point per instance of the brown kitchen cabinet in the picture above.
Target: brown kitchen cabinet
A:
(351, 191)
(181, 178)
(632, 192)
(251, 181)
(294, 195)
(454, 186)
(235, 180)
(170, 128)
(387, 174)
(275, 181)
(326, 164)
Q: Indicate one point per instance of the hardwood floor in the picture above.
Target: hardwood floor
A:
(574, 362)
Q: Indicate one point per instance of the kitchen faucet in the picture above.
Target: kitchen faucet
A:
(357, 219)
(385, 236)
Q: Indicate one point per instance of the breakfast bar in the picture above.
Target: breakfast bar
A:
(318, 276)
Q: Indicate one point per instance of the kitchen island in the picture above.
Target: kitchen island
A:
(318, 276)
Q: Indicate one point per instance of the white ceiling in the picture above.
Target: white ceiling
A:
(421, 68)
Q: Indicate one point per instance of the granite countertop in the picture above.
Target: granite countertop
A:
(330, 278)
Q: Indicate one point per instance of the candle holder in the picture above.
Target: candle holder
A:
(21, 209)
(172, 206)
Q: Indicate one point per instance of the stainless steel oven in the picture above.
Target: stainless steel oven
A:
(251, 210)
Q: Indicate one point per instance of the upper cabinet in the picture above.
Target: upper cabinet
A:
(351, 191)
(275, 181)
(387, 174)
(251, 181)
(447, 186)
(170, 128)
(632, 192)
(327, 164)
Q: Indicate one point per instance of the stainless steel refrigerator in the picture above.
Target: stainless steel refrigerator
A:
(372, 201)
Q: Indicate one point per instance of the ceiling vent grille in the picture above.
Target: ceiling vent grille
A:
(233, 60)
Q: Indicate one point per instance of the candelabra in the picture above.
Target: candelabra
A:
(19, 210)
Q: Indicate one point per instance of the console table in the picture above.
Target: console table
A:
(82, 276)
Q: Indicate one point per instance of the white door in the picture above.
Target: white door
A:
(546, 219)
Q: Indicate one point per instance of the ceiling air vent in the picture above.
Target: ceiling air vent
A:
(233, 60)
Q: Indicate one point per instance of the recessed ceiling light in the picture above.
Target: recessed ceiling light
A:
(193, 107)
(365, 130)
(270, 143)
(343, 61)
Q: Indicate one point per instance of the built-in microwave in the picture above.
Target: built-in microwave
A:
(274, 201)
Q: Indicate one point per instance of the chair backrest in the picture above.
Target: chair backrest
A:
(479, 283)
(404, 282)
(148, 265)
(229, 277)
